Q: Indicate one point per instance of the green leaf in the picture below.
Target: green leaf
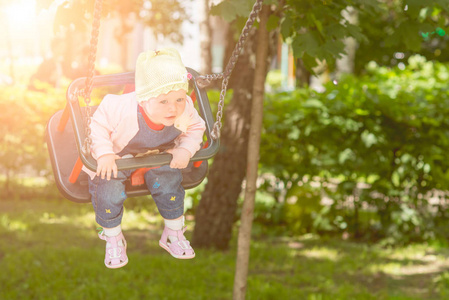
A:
(408, 33)
(306, 42)
(272, 23)
(345, 155)
(368, 138)
(310, 62)
(336, 31)
(318, 24)
(355, 32)
(313, 103)
(244, 7)
(226, 10)
(294, 134)
(229, 10)
(287, 29)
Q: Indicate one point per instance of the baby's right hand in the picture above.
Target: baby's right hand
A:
(106, 166)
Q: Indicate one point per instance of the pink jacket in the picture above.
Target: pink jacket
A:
(115, 123)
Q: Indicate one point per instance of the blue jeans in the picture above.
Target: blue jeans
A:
(164, 184)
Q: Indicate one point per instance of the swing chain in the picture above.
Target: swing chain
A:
(215, 134)
(201, 80)
(205, 80)
(89, 79)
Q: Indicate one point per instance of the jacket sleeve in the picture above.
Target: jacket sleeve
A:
(101, 129)
(193, 137)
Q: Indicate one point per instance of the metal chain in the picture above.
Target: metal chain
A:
(89, 79)
(205, 80)
(202, 81)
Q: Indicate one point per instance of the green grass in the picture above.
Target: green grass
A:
(49, 250)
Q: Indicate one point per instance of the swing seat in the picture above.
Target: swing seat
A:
(65, 139)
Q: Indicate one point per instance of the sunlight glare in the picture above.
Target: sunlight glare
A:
(21, 14)
(321, 253)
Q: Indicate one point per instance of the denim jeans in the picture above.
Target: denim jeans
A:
(164, 184)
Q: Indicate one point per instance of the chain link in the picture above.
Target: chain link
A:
(204, 80)
(89, 79)
(215, 134)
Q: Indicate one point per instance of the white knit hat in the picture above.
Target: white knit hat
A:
(159, 72)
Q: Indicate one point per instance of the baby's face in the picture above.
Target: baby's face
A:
(165, 108)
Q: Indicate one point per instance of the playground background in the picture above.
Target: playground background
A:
(352, 190)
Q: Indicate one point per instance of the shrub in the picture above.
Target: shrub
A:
(374, 143)
(23, 115)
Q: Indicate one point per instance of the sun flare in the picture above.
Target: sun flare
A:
(21, 14)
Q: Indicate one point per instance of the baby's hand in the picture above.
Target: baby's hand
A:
(106, 166)
(181, 158)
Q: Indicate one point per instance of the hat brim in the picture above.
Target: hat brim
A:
(165, 89)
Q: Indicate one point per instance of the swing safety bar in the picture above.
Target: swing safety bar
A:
(78, 123)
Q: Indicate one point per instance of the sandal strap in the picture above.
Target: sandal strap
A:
(115, 254)
(180, 248)
(183, 244)
(177, 233)
(112, 239)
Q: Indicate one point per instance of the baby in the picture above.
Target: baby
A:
(157, 116)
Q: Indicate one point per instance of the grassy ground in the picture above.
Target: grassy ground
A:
(49, 250)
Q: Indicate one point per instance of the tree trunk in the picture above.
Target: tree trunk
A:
(244, 239)
(216, 211)
(10, 54)
(121, 35)
(8, 182)
(346, 63)
(302, 75)
(123, 43)
(205, 38)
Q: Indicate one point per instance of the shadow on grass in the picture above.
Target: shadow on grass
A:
(353, 270)
(49, 250)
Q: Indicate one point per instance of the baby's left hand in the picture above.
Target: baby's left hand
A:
(181, 158)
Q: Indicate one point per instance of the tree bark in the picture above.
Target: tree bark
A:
(121, 35)
(216, 211)
(302, 74)
(205, 39)
(244, 238)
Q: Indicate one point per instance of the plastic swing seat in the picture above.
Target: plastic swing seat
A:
(65, 139)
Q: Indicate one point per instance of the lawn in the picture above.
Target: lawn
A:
(49, 250)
